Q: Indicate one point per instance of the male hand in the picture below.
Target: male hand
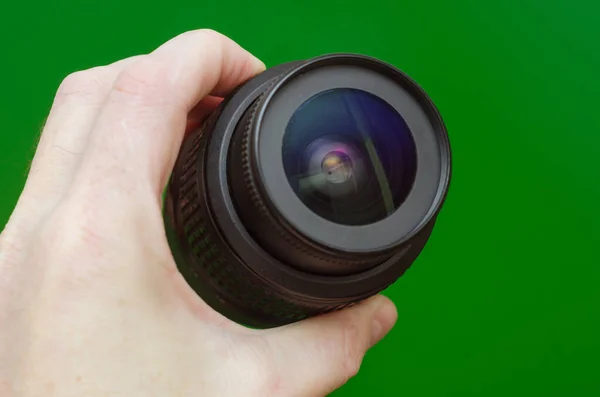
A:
(91, 302)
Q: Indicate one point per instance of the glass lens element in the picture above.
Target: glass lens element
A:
(349, 156)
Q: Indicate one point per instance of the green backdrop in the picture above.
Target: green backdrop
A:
(505, 299)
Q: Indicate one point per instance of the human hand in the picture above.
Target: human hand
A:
(91, 302)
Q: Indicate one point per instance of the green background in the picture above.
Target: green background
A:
(505, 299)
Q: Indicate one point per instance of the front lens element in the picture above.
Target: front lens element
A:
(349, 156)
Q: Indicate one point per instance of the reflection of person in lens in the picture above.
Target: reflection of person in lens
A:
(337, 166)
(91, 302)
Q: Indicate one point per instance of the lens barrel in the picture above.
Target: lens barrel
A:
(313, 186)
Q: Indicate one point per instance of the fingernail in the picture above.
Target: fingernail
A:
(383, 322)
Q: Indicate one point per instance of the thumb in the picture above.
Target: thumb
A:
(320, 354)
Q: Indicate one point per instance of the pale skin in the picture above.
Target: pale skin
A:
(91, 302)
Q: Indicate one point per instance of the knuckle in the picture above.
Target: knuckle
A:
(352, 354)
(12, 249)
(209, 34)
(146, 80)
(8, 245)
(80, 85)
(208, 40)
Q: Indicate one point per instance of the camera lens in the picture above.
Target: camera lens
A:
(349, 156)
(313, 186)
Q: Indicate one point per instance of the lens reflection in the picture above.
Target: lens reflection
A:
(349, 156)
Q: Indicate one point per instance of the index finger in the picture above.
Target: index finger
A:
(139, 132)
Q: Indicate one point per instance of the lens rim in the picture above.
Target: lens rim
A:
(242, 248)
(404, 95)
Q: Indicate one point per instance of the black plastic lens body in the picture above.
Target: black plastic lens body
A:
(313, 186)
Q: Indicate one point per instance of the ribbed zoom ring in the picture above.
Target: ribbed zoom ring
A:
(205, 260)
